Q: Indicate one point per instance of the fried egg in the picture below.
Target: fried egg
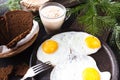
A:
(84, 43)
(65, 37)
(53, 51)
(83, 68)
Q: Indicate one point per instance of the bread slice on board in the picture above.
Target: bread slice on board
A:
(17, 24)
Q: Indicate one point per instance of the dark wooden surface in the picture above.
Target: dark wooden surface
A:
(24, 57)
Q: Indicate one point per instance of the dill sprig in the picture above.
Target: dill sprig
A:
(97, 15)
(14, 5)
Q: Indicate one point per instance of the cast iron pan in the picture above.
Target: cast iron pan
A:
(104, 58)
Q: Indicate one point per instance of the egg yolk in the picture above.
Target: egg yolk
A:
(49, 46)
(93, 42)
(90, 74)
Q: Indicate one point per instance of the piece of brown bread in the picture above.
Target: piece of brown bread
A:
(19, 24)
(5, 71)
(3, 31)
(21, 69)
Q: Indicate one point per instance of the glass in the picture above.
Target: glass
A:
(52, 15)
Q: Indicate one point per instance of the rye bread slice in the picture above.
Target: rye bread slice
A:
(19, 24)
(4, 36)
(5, 72)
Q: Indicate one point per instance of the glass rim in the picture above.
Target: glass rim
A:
(52, 4)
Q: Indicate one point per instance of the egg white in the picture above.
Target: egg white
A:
(58, 56)
(78, 44)
(72, 69)
(65, 37)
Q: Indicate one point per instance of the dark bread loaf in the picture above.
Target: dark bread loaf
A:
(14, 26)
(5, 72)
(3, 31)
(19, 24)
(21, 69)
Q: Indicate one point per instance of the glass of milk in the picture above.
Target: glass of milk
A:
(52, 15)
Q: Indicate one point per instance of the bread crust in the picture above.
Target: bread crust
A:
(5, 71)
(3, 31)
(18, 24)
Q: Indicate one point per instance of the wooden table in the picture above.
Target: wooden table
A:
(24, 57)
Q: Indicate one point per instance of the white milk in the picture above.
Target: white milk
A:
(52, 17)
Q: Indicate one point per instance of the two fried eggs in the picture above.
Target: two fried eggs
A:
(66, 47)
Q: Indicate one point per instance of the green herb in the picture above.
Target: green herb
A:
(114, 39)
(76, 9)
(14, 4)
(37, 18)
(97, 15)
(117, 37)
